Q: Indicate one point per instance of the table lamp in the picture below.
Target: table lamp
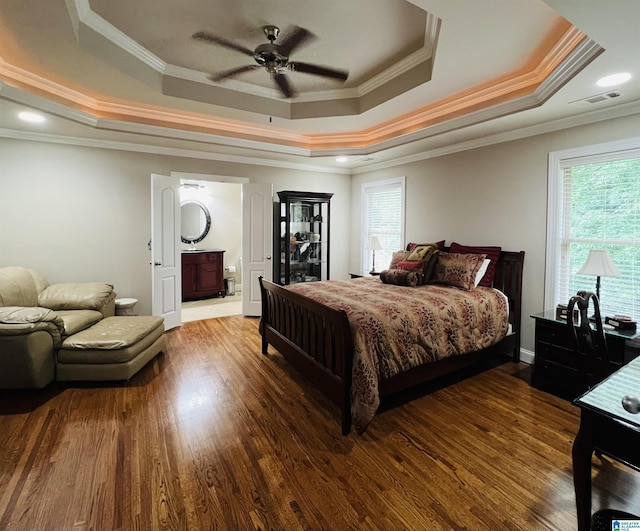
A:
(598, 265)
(373, 244)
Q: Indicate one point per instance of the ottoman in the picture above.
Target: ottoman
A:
(114, 348)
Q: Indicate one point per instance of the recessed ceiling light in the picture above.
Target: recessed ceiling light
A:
(342, 159)
(613, 79)
(31, 117)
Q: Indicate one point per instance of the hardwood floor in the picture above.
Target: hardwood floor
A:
(213, 435)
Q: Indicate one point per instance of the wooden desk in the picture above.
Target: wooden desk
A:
(605, 426)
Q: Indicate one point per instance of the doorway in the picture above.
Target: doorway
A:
(223, 201)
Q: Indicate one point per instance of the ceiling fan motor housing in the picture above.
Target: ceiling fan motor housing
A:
(269, 56)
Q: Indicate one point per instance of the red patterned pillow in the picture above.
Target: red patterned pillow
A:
(414, 265)
(491, 252)
(458, 270)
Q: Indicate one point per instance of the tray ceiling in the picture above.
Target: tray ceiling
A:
(418, 69)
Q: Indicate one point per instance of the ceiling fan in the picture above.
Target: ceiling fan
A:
(274, 58)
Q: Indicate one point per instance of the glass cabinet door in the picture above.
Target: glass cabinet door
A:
(303, 237)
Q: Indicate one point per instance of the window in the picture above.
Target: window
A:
(594, 203)
(382, 216)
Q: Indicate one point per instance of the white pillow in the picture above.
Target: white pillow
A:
(482, 271)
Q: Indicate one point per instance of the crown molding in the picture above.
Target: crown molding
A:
(571, 52)
(486, 140)
(596, 116)
(81, 11)
(575, 50)
(166, 151)
(30, 99)
(493, 101)
(203, 137)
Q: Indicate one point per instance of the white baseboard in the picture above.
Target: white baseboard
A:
(527, 356)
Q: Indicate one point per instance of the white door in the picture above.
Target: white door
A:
(166, 269)
(257, 243)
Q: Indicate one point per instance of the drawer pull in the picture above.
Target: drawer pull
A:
(631, 404)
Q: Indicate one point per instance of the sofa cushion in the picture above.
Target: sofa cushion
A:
(112, 340)
(22, 315)
(76, 296)
(20, 286)
(16, 321)
(77, 320)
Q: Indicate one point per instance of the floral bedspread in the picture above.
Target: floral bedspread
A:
(395, 328)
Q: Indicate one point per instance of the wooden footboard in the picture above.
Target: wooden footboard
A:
(314, 338)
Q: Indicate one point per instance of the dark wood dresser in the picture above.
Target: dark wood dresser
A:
(559, 367)
(202, 274)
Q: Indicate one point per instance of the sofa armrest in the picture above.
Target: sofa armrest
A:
(77, 296)
(17, 320)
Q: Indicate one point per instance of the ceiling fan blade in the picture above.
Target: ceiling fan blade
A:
(210, 38)
(318, 70)
(295, 39)
(232, 72)
(283, 84)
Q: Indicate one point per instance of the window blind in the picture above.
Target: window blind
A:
(382, 216)
(600, 209)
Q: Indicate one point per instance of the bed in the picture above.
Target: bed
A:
(319, 327)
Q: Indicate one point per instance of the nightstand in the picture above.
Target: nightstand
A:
(559, 367)
(360, 275)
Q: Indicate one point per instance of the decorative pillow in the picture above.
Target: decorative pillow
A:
(417, 266)
(423, 252)
(440, 245)
(398, 256)
(458, 270)
(491, 252)
(482, 270)
(429, 267)
(399, 277)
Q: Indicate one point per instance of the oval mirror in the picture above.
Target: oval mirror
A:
(196, 221)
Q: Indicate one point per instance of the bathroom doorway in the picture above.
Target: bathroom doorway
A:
(222, 198)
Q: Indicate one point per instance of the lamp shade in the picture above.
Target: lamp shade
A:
(599, 264)
(373, 244)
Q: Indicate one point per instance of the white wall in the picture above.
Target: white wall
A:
(496, 195)
(80, 214)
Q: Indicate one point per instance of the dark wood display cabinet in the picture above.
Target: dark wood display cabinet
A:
(559, 367)
(302, 221)
(202, 274)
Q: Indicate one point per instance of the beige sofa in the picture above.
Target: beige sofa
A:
(68, 332)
